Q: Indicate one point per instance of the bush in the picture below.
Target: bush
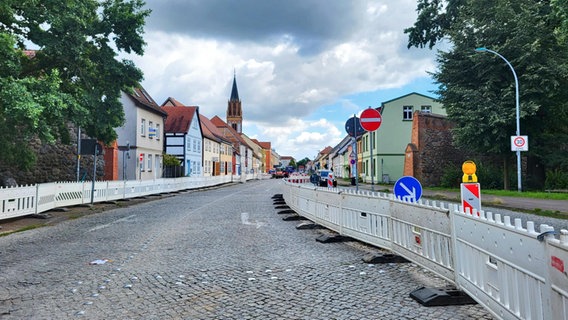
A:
(556, 179)
(451, 178)
(170, 160)
(489, 177)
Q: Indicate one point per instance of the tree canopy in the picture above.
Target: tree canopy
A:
(73, 75)
(478, 89)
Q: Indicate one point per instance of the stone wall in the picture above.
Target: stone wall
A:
(431, 150)
(55, 162)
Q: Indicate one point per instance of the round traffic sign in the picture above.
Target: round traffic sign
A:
(353, 127)
(141, 157)
(519, 141)
(371, 119)
(407, 189)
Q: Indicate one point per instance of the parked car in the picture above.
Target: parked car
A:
(323, 177)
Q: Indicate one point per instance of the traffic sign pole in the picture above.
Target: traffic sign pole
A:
(370, 121)
(372, 164)
(355, 144)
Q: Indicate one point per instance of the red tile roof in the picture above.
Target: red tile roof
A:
(326, 150)
(211, 131)
(228, 132)
(172, 102)
(143, 99)
(263, 144)
(179, 118)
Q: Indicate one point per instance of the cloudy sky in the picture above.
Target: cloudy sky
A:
(303, 67)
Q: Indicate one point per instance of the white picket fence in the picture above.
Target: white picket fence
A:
(34, 199)
(515, 272)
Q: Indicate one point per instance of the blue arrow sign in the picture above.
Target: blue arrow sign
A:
(408, 189)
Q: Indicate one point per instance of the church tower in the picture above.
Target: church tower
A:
(234, 110)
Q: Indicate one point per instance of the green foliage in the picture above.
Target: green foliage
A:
(561, 11)
(303, 162)
(292, 163)
(488, 176)
(556, 180)
(451, 178)
(170, 160)
(75, 76)
(478, 89)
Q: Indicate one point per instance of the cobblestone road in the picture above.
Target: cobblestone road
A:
(214, 254)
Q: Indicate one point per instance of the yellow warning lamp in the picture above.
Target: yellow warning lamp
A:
(468, 169)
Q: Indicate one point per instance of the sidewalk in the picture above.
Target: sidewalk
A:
(512, 203)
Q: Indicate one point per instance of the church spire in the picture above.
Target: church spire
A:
(234, 91)
(234, 109)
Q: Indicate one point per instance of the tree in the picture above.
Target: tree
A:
(73, 77)
(293, 163)
(561, 11)
(478, 90)
(303, 162)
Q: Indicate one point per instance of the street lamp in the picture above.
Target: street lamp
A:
(517, 111)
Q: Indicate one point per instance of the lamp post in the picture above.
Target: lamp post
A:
(519, 186)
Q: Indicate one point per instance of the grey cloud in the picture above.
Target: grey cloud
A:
(313, 25)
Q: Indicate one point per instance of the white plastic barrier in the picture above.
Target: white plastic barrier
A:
(17, 201)
(513, 271)
(26, 200)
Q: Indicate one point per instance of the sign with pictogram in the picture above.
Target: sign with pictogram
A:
(354, 128)
(471, 197)
(371, 119)
(408, 189)
(519, 143)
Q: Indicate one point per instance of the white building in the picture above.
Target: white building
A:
(140, 139)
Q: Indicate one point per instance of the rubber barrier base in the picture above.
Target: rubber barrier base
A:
(431, 297)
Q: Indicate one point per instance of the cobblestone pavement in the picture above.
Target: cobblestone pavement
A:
(215, 254)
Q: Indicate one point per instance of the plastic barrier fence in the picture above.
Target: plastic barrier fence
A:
(26, 200)
(514, 271)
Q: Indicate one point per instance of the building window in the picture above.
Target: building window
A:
(426, 109)
(150, 162)
(407, 112)
(157, 131)
(151, 130)
(198, 146)
(188, 145)
(143, 127)
(194, 145)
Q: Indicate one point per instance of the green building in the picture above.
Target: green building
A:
(394, 134)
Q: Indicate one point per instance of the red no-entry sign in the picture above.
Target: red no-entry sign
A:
(371, 119)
